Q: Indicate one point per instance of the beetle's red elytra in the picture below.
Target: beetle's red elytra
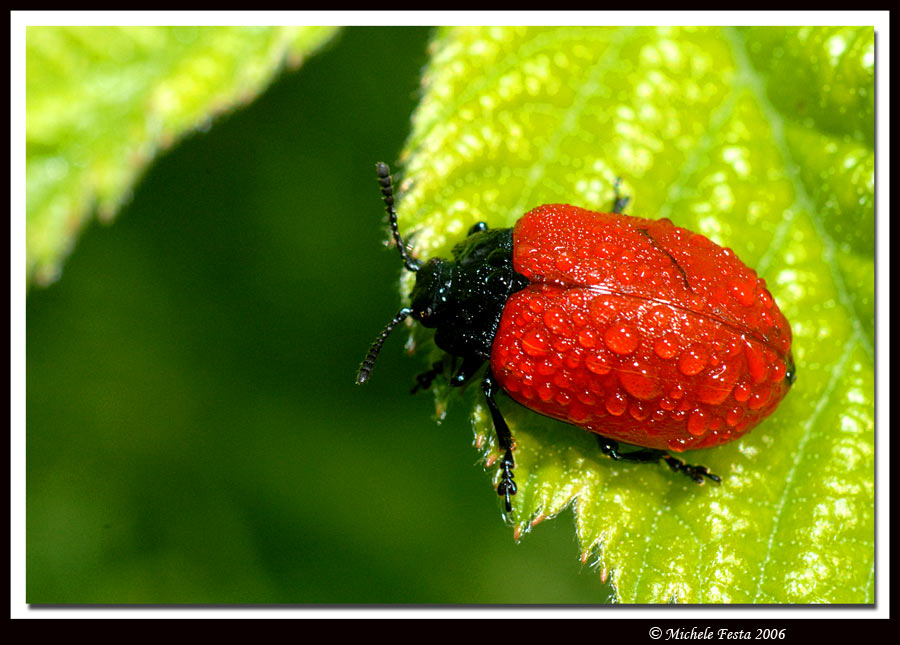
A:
(634, 329)
(639, 330)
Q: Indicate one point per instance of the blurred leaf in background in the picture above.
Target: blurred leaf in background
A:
(102, 101)
(194, 434)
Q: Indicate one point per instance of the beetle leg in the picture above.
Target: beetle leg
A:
(424, 380)
(610, 448)
(697, 473)
(507, 486)
(477, 227)
(620, 202)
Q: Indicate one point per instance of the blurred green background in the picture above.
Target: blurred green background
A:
(194, 433)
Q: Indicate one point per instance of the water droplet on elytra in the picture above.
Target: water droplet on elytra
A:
(622, 339)
(693, 360)
(534, 344)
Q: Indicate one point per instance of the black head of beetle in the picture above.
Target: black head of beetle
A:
(429, 297)
(462, 298)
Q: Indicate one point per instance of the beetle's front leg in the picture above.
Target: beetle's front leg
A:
(507, 484)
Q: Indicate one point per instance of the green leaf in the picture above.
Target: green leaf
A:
(102, 101)
(761, 139)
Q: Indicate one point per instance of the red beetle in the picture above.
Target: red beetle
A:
(634, 329)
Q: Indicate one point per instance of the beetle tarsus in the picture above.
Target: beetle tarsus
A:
(507, 486)
(697, 473)
(610, 448)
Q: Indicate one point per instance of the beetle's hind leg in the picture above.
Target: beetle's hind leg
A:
(507, 486)
(610, 448)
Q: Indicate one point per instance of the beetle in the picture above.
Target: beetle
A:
(634, 329)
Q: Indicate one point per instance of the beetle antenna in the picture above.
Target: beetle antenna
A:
(387, 194)
(369, 362)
